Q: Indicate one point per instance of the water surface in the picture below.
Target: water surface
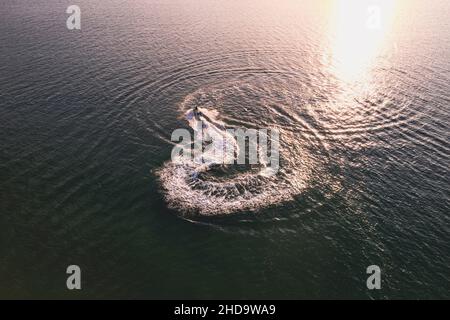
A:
(86, 118)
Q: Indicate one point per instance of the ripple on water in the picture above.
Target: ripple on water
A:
(244, 105)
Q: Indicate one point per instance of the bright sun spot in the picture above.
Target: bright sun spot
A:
(357, 31)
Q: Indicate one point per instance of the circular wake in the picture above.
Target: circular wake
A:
(214, 188)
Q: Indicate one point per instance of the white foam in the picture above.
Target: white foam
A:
(187, 190)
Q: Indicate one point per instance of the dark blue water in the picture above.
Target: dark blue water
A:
(86, 118)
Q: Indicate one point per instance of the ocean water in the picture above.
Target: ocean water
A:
(86, 177)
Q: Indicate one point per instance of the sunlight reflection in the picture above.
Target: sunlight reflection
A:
(357, 31)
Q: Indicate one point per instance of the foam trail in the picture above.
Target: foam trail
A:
(191, 186)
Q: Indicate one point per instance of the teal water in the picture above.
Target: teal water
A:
(86, 118)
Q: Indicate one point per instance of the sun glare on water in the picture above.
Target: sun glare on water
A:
(358, 31)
